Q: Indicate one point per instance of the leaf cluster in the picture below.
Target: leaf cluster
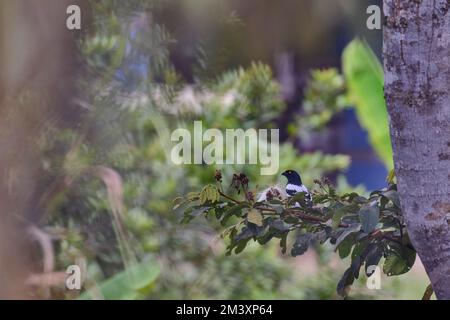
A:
(368, 230)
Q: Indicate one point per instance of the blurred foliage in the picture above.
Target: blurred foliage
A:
(360, 86)
(324, 97)
(130, 284)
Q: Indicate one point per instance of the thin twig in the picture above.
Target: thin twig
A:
(428, 292)
(229, 198)
(45, 241)
(401, 229)
(384, 235)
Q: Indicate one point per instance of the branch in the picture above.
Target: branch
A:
(383, 235)
(310, 218)
(301, 215)
(228, 197)
(428, 292)
(45, 241)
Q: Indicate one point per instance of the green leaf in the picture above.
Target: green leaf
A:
(359, 248)
(399, 260)
(391, 177)
(369, 217)
(194, 212)
(265, 238)
(393, 196)
(298, 197)
(241, 246)
(240, 240)
(301, 244)
(356, 265)
(345, 247)
(209, 193)
(283, 243)
(345, 283)
(337, 217)
(192, 196)
(365, 81)
(356, 227)
(278, 208)
(373, 257)
(323, 235)
(350, 196)
(235, 210)
(255, 217)
(359, 256)
(278, 225)
(291, 219)
(276, 202)
(177, 202)
(245, 234)
(360, 200)
(320, 198)
(130, 284)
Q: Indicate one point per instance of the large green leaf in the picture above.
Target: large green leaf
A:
(373, 257)
(346, 281)
(398, 260)
(255, 217)
(356, 227)
(130, 284)
(345, 247)
(301, 244)
(369, 216)
(365, 81)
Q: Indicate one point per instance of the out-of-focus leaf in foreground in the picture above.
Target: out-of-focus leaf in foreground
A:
(129, 284)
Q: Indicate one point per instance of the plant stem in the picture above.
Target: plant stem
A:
(428, 293)
(228, 197)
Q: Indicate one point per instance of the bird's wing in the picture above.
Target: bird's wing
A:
(292, 189)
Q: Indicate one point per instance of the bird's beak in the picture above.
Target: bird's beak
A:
(284, 173)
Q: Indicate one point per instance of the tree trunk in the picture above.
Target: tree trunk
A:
(38, 56)
(417, 89)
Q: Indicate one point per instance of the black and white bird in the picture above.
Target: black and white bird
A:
(295, 185)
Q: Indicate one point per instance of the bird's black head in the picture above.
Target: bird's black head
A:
(293, 177)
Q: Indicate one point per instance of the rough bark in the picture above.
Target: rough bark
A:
(417, 89)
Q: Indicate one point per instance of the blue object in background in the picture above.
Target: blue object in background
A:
(365, 168)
